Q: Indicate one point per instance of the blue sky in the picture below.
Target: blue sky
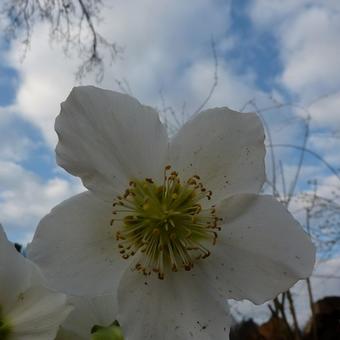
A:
(283, 50)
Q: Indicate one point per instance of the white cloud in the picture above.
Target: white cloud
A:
(46, 78)
(326, 146)
(268, 13)
(329, 187)
(326, 111)
(166, 48)
(25, 198)
(14, 145)
(194, 84)
(310, 52)
(309, 47)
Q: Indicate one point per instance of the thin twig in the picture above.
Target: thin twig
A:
(299, 166)
(316, 155)
(215, 79)
(293, 313)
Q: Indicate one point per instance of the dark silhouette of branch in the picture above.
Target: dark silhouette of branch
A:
(71, 23)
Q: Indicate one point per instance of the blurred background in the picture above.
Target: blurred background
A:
(278, 58)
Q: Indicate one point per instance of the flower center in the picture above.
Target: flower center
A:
(5, 328)
(165, 224)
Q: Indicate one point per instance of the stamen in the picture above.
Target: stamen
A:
(165, 225)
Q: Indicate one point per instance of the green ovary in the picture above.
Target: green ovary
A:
(113, 332)
(165, 223)
(5, 327)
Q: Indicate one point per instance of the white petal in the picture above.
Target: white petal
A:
(179, 307)
(261, 250)
(225, 148)
(107, 138)
(90, 311)
(75, 247)
(38, 313)
(33, 311)
(16, 273)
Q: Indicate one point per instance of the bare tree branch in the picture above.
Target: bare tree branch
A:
(71, 24)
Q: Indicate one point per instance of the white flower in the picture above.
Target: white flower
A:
(88, 314)
(28, 310)
(172, 227)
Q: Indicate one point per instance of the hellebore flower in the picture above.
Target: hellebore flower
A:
(173, 227)
(28, 310)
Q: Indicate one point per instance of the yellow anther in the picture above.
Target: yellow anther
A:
(187, 267)
(191, 181)
(156, 232)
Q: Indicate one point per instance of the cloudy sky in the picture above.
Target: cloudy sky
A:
(268, 52)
